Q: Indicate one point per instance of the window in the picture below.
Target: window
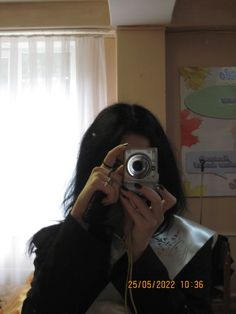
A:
(50, 90)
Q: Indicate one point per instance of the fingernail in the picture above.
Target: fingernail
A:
(125, 144)
(138, 186)
(124, 196)
(161, 187)
(161, 197)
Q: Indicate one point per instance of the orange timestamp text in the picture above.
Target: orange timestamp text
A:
(165, 284)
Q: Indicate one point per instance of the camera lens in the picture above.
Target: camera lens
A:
(138, 166)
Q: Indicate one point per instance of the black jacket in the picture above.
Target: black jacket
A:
(71, 269)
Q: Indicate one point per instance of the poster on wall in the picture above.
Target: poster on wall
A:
(208, 130)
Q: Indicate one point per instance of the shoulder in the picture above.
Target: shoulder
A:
(194, 232)
(44, 236)
(183, 242)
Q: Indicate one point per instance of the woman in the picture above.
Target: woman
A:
(122, 251)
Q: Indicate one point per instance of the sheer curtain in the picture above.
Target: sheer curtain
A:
(50, 90)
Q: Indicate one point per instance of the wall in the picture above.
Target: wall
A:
(200, 48)
(141, 67)
(93, 13)
(111, 68)
(204, 14)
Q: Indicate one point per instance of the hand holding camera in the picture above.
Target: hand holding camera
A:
(139, 175)
(146, 207)
(101, 189)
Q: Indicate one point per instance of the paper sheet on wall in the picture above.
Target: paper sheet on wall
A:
(208, 130)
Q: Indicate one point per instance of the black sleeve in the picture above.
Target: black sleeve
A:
(70, 271)
(166, 299)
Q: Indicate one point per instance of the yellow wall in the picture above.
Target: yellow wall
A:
(141, 68)
(202, 33)
(204, 13)
(200, 48)
(55, 14)
(111, 68)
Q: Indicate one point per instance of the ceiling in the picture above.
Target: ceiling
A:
(131, 12)
(140, 12)
(174, 14)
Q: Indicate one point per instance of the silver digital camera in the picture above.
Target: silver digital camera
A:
(141, 166)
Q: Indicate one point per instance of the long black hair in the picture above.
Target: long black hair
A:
(107, 131)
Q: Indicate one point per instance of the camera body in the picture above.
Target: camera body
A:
(141, 166)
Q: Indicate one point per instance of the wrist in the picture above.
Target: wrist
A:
(81, 204)
(76, 214)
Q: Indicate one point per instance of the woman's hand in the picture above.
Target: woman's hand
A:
(143, 220)
(105, 179)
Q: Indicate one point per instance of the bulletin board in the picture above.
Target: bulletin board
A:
(208, 130)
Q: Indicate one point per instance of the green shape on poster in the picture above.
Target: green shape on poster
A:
(214, 102)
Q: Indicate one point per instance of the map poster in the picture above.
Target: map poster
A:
(208, 130)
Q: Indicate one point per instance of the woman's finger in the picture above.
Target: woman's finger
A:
(170, 199)
(112, 156)
(154, 196)
(132, 212)
(120, 170)
(139, 203)
(113, 195)
(155, 201)
(149, 194)
(116, 176)
(115, 182)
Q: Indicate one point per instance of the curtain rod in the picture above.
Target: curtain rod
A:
(56, 31)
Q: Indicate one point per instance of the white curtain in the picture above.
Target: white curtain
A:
(51, 88)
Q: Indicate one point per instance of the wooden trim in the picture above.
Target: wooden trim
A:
(219, 28)
(140, 28)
